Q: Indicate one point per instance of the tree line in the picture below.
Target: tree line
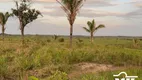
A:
(26, 15)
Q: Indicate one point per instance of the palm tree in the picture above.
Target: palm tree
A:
(25, 14)
(92, 28)
(3, 20)
(71, 8)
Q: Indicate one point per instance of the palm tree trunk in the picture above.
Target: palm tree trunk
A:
(71, 32)
(91, 37)
(3, 32)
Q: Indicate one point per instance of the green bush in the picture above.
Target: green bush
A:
(3, 67)
(25, 62)
(43, 57)
(61, 40)
(48, 40)
(58, 76)
(32, 78)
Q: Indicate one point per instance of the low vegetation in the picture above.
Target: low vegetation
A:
(43, 58)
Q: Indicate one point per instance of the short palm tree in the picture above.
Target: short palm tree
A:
(3, 20)
(92, 28)
(71, 8)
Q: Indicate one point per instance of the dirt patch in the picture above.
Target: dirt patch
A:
(84, 67)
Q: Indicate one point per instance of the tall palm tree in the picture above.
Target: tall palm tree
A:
(71, 8)
(92, 28)
(3, 20)
(25, 14)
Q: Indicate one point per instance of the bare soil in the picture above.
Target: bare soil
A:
(83, 68)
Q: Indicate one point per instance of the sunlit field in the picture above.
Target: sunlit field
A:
(70, 40)
(50, 58)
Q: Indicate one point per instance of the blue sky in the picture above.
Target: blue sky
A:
(121, 18)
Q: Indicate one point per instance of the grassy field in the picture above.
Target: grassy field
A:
(48, 58)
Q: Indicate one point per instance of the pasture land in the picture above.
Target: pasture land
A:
(49, 58)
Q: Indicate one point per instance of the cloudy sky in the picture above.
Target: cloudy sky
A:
(121, 18)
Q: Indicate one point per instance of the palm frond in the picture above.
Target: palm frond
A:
(86, 29)
(71, 8)
(7, 15)
(93, 25)
(100, 26)
(89, 24)
(2, 18)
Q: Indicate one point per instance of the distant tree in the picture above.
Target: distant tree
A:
(25, 14)
(55, 37)
(136, 43)
(71, 8)
(3, 19)
(92, 28)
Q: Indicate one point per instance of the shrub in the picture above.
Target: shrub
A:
(32, 78)
(58, 75)
(79, 42)
(48, 40)
(43, 57)
(25, 62)
(3, 67)
(61, 40)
